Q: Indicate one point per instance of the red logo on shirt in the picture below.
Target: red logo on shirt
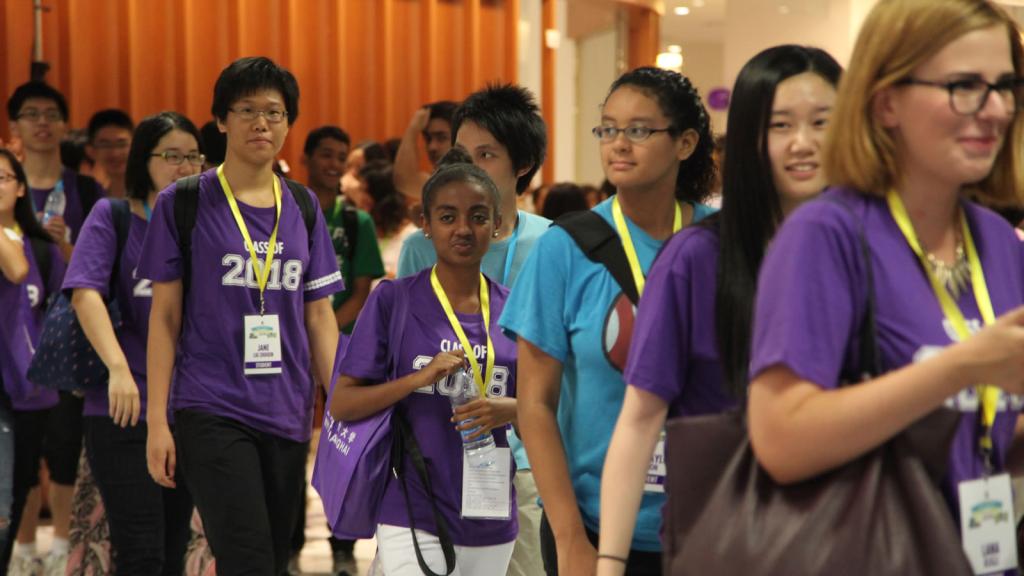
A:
(618, 331)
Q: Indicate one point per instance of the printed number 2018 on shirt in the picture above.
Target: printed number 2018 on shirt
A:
(287, 275)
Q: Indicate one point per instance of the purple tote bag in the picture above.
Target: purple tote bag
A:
(353, 460)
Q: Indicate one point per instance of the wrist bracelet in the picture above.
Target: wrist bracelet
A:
(611, 557)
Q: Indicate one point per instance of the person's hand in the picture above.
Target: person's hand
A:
(484, 414)
(420, 119)
(161, 456)
(56, 228)
(576, 556)
(445, 363)
(995, 355)
(123, 392)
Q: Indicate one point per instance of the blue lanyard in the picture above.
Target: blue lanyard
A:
(146, 209)
(510, 255)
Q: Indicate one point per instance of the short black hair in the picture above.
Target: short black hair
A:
(151, 130)
(109, 117)
(563, 198)
(511, 115)
(214, 143)
(322, 133)
(443, 109)
(374, 151)
(457, 166)
(73, 152)
(681, 103)
(249, 75)
(35, 89)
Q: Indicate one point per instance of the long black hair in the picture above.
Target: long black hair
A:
(147, 137)
(751, 207)
(681, 103)
(23, 213)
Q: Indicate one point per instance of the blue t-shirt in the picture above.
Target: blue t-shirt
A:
(572, 309)
(502, 263)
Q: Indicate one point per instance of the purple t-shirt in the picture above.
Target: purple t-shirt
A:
(91, 267)
(74, 212)
(208, 372)
(381, 350)
(812, 296)
(24, 307)
(674, 353)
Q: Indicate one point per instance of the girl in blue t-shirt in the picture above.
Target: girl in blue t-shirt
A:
(676, 362)
(573, 321)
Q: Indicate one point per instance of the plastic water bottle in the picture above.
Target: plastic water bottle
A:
(480, 450)
(55, 204)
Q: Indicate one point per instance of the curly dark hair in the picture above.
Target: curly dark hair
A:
(681, 103)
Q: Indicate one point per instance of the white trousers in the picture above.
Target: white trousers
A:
(397, 556)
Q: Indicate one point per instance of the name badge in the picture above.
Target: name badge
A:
(987, 524)
(262, 345)
(655, 482)
(486, 491)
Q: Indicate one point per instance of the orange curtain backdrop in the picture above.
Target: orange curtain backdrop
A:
(363, 64)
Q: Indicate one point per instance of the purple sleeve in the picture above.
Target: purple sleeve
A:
(806, 306)
(367, 353)
(660, 345)
(160, 260)
(92, 261)
(322, 277)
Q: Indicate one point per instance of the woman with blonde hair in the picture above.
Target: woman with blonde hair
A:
(926, 123)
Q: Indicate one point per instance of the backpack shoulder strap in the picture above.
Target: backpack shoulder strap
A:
(350, 222)
(88, 192)
(600, 243)
(43, 256)
(121, 213)
(305, 206)
(186, 203)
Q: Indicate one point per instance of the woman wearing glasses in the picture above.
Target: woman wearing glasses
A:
(244, 336)
(928, 120)
(148, 524)
(573, 321)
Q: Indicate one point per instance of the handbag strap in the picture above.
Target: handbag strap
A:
(404, 442)
(870, 358)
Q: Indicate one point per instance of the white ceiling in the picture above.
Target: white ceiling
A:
(702, 25)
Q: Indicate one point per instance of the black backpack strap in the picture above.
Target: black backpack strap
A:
(601, 243)
(186, 203)
(350, 226)
(121, 212)
(44, 258)
(88, 192)
(306, 206)
(404, 442)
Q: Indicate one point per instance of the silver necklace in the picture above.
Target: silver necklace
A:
(956, 276)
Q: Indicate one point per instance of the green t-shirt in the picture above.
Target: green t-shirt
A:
(365, 260)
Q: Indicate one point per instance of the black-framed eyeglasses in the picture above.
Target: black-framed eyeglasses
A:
(34, 116)
(250, 114)
(175, 158)
(968, 96)
(637, 133)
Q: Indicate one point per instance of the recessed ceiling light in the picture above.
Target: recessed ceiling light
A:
(682, 11)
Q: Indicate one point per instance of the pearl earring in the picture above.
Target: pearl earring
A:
(495, 234)
(427, 236)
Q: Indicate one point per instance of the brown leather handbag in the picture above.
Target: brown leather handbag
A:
(882, 514)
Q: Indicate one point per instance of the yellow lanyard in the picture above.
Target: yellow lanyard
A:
(262, 273)
(485, 307)
(987, 395)
(627, 242)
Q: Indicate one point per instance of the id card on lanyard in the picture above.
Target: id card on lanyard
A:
(655, 482)
(485, 492)
(987, 521)
(261, 335)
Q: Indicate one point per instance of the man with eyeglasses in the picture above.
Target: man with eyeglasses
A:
(110, 137)
(38, 115)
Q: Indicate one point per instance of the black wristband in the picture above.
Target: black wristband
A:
(611, 557)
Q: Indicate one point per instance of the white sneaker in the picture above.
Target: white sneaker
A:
(25, 566)
(55, 564)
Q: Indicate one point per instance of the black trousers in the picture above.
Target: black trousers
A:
(149, 524)
(243, 483)
(638, 564)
